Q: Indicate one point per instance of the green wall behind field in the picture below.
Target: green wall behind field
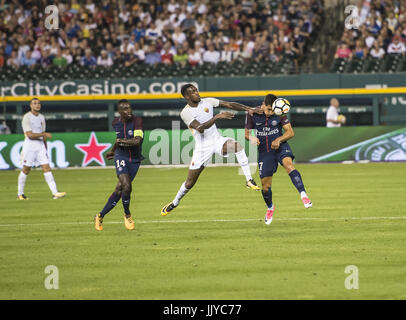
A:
(376, 143)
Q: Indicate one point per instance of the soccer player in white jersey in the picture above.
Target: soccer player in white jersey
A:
(35, 150)
(198, 116)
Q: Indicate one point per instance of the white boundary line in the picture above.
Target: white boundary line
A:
(200, 221)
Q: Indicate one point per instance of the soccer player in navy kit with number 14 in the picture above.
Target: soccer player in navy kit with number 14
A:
(273, 149)
(127, 159)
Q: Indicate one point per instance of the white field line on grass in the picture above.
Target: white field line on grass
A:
(200, 221)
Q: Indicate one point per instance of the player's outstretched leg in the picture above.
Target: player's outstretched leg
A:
(297, 181)
(110, 204)
(193, 175)
(231, 146)
(22, 177)
(267, 195)
(126, 197)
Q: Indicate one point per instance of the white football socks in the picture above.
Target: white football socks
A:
(49, 178)
(243, 161)
(303, 195)
(181, 193)
(22, 177)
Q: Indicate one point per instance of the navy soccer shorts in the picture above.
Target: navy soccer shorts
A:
(268, 161)
(125, 166)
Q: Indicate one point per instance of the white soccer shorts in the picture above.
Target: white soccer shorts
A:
(32, 155)
(202, 155)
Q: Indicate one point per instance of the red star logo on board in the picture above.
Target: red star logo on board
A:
(93, 150)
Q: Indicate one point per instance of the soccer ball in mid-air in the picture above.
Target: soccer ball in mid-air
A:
(280, 106)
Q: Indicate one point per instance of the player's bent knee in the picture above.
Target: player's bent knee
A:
(26, 170)
(127, 189)
(189, 184)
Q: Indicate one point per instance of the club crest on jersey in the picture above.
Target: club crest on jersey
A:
(130, 132)
(206, 109)
(274, 122)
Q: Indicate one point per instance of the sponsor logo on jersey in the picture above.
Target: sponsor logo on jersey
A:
(268, 132)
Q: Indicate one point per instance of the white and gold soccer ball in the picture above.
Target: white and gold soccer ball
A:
(280, 106)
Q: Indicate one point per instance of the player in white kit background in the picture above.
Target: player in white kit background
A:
(35, 150)
(198, 116)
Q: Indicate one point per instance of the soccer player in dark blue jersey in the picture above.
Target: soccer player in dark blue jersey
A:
(126, 152)
(273, 149)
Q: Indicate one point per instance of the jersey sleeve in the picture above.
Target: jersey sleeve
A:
(284, 120)
(213, 101)
(187, 116)
(138, 131)
(26, 123)
(249, 122)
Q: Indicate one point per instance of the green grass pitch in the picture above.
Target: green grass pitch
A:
(215, 245)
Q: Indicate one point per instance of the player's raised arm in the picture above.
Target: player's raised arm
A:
(249, 126)
(206, 125)
(240, 107)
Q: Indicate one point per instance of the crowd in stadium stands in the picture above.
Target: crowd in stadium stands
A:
(128, 32)
(381, 31)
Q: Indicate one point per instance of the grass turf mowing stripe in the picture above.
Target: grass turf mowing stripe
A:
(202, 221)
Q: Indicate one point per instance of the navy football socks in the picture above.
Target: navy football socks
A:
(267, 195)
(297, 180)
(111, 203)
(126, 202)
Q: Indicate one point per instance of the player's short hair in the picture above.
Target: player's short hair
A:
(35, 98)
(269, 99)
(122, 101)
(185, 87)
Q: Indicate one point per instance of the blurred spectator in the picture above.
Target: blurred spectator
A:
(27, 59)
(359, 51)
(152, 33)
(59, 60)
(152, 57)
(2, 60)
(130, 58)
(211, 56)
(167, 56)
(178, 36)
(88, 60)
(377, 51)
(396, 47)
(67, 55)
(333, 118)
(227, 54)
(13, 60)
(181, 57)
(343, 52)
(194, 57)
(139, 52)
(104, 59)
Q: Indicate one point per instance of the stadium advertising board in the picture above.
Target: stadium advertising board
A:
(174, 147)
